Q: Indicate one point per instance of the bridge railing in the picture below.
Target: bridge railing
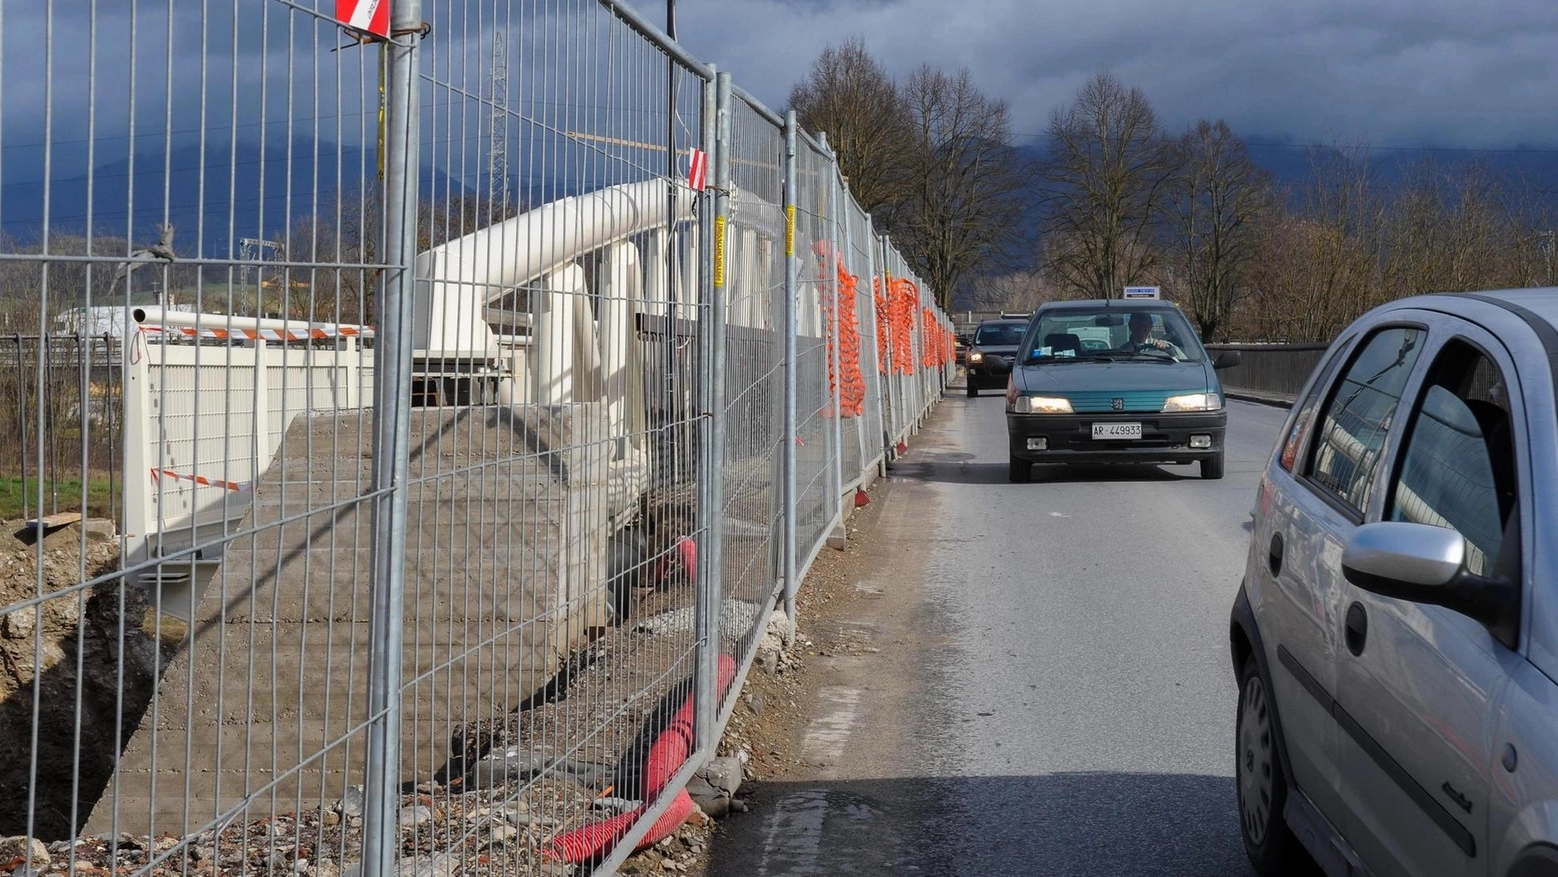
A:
(444, 474)
(1275, 370)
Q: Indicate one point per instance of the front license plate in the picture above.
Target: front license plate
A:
(1116, 430)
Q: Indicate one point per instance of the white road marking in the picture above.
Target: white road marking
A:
(792, 845)
(792, 840)
(827, 735)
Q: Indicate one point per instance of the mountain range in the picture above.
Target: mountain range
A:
(223, 193)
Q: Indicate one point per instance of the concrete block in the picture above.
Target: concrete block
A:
(505, 570)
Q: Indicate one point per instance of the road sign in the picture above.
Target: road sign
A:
(1136, 292)
(698, 170)
(372, 16)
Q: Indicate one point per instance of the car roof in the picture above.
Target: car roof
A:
(1539, 302)
(1020, 321)
(1536, 306)
(1122, 304)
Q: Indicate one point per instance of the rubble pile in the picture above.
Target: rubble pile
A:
(68, 646)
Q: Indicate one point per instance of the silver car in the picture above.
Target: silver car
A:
(1396, 634)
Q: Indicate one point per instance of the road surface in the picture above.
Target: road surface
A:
(1052, 693)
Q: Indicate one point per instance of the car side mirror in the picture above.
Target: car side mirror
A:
(1421, 563)
(1407, 561)
(1227, 359)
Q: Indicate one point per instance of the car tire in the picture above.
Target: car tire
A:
(1019, 471)
(973, 389)
(1260, 782)
(1212, 468)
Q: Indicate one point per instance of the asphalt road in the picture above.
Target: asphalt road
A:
(1053, 694)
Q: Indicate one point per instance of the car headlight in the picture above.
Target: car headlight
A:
(1041, 405)
(976, 356)
(1193, 402)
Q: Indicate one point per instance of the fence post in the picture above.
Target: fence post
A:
(830, 281)
(391, 431)
(791, 427)
(710, 592)
(890, 388)
(883, 405)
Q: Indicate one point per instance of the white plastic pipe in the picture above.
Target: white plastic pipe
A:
(551, 348)
(457, 276)
(156, 316)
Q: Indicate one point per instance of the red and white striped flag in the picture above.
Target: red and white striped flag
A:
(698, 170)
(372, 16)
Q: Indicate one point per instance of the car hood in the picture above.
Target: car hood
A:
(1142, 385)
(996, 349)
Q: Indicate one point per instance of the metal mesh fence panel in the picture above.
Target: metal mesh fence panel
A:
(752, 467)
(185, 629)
(838, 283)
(816, 438)
(401, 476)
(554, 518)
(860, 267)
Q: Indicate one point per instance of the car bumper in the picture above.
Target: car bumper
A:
(1165, 438)
(988, 373)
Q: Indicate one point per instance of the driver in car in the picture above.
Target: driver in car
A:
(1141, 339)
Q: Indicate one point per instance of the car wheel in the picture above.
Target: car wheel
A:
(1261, 784)
(1019, 471)
(1212, 468)
(973, 388)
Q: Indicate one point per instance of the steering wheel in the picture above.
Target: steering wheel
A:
(1151, 347)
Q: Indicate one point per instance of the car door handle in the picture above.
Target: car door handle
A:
(1274, 558)
(1357, 625)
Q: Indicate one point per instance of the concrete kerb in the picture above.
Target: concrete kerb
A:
(1275, 400)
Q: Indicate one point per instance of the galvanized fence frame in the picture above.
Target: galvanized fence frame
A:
(507, 372)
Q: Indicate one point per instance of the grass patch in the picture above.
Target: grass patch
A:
(19, 499)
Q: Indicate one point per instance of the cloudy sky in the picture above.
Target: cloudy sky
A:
(1447, 73)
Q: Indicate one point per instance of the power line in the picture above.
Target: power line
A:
(1037, 139)
(1514, 150)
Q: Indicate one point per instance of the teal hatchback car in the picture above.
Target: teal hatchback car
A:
(1115, 382)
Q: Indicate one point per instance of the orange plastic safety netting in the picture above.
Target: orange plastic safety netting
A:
(883, 324)
(904, 299)
(930, 347)
(840, 298)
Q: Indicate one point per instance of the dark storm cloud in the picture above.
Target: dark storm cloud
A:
(1425, 72)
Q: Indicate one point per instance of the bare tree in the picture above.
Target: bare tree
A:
(849, 96)
(1215, 202)
(1016, 291)
(1451, 229)
(1104, 185)
(1316, 267)
(966, 187)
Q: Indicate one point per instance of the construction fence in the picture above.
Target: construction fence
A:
(419, 423)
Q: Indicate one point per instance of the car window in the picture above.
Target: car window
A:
(1358, 415)
(1105, 333)
(1000, 335)
(1308, 407)
(1457, 468)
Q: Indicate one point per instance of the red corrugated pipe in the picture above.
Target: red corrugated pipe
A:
(670, 750)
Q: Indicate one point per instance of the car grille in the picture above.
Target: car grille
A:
(1097, 401)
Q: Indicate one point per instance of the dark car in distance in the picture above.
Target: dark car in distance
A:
(991, 352)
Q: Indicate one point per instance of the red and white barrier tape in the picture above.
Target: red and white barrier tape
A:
(312, 333)
(200, 480)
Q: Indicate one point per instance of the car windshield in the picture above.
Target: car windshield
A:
(1112, 334)
(999, 335)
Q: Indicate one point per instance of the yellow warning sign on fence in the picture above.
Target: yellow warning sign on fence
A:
(789, 230)
(719, 252)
